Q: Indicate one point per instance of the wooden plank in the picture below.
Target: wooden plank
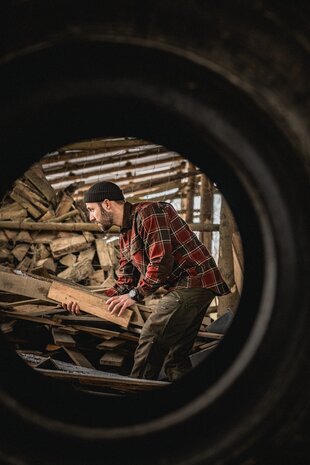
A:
(25, 285)
(111, 344)
(90, 303)
(63, 339)
(112, 359)
(78, 358)
(36, 310)
(34, 319)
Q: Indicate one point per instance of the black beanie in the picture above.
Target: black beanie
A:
(103, 190)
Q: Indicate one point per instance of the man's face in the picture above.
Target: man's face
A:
(98, 214)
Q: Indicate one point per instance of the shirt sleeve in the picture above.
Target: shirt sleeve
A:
(153, 228)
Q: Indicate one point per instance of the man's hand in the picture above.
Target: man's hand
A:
(118, 304)
(72, 307)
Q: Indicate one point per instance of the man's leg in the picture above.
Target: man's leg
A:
(167, 326)
(178, 362)
(153, 344)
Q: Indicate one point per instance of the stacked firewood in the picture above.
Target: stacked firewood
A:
(79, 256)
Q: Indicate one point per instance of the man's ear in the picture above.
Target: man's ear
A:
(106, 204)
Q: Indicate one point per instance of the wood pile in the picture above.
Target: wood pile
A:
(42, 241)
(50, 254)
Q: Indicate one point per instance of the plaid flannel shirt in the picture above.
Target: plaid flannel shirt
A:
(158, 249)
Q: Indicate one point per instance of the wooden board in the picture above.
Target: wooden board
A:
(113, 359)
(24, 285)
(90, 303)
(62, 339)
(111, 344)
(78, 358)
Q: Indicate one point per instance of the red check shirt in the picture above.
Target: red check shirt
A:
(158, 249)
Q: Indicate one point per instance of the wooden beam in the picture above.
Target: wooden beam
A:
(73, 227)
(25, 285)
(88, 302)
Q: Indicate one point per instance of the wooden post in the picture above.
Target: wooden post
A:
(190, 194)
(206, 208)
(226, 261)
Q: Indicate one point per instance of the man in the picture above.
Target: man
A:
(157, 250)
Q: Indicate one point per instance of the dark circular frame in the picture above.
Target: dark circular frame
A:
(219, 128)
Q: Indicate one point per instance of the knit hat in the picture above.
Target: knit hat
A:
(103, 190)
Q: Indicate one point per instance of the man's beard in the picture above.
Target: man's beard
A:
(106, 219)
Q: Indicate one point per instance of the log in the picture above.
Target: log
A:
(13, 211)
(88, 302)
(36, 176)
(65, 245)
(47, 263)
(64, 205)
(23, 236)
(31, 209)
(103, 255)
(20, 250)
(78, 271)
(68, 260)
(31, 226)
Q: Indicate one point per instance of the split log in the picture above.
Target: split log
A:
(31, 209)
(68, 260)
(47, 263)
(103, 255)
(20, 250)
(64, 205)
(78, 271)
(64, 245)
(36, 176)
(13, 211)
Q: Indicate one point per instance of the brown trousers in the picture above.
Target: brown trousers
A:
(169, 333)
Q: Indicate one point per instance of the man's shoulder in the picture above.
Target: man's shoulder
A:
(152, 207)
